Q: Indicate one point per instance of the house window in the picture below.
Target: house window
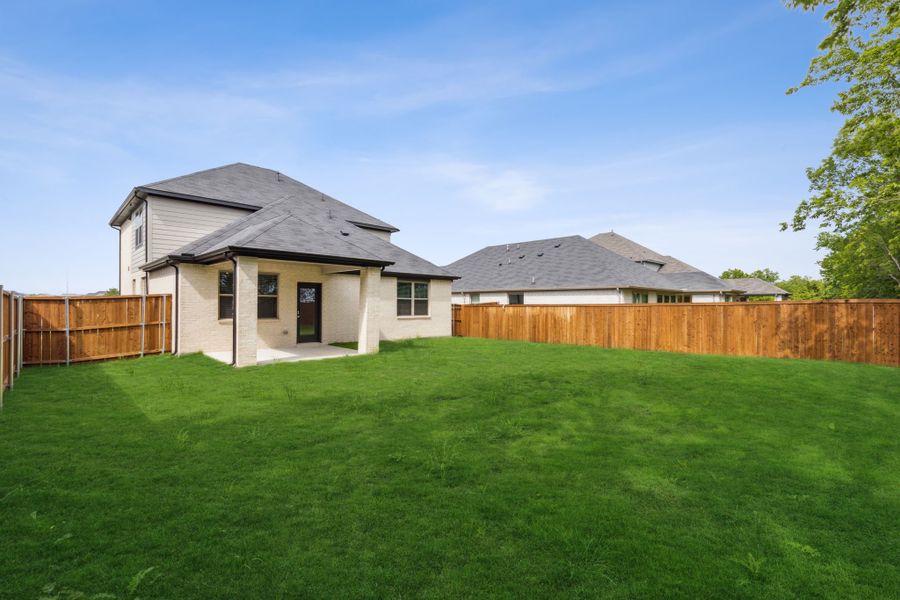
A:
(672, 298)
(226, 294)
(474, 298)
(412, 298)
(138, 224)
(267, 296)
(517, 298)
(639, 298)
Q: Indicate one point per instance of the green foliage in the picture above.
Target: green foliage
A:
(734, 273)
(452, 468)
(804, 288)
(764, 274)
(112, 292)
(856, 189)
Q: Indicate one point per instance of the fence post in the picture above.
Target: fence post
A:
(2, 383)
(13, 341)
(143, 319)
(162, 310)
(68, 357)
(21, 353)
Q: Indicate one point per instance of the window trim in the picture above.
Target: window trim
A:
(509, 296)
(220, 295)
(412, 298)
(275, 295)
(640, 298)
(475, 298)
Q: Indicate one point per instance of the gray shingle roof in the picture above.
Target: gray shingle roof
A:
(299, 226)
(696, 281)
(630, 249)
(558, 263)
(678, 273)
(568, 263)
(255, 187)
(754, 286)
(289, 219)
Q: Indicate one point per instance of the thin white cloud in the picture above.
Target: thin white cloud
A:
(497, 189)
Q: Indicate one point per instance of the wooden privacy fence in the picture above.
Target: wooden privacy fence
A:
(11, 340)
(70, 329)
(848, 330)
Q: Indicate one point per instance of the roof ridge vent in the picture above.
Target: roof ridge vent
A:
(277, 176)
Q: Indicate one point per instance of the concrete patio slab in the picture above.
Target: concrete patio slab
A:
(308, 351)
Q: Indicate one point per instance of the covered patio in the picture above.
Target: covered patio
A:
(307, 351)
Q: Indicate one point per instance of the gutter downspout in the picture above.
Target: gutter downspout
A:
(119, 274)
(176, 325)
(146, 289)
(234, 300)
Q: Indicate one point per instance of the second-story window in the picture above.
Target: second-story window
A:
(138, 225)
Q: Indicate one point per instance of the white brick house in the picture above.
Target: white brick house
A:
(256, 260)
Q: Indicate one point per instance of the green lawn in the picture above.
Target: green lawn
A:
(453, 468)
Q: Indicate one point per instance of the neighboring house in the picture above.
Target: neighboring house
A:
(607, 269)
(293, 264)
(754, 287)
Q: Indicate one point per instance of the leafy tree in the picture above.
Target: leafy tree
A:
(112, 292)
(764, 274)
(734, 274)
(803, 288)
(855, 191)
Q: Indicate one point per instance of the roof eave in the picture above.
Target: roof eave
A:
(223, 253)
(192, 198)
(118, 217)
(389, 273)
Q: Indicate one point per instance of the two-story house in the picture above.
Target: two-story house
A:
(256, 260)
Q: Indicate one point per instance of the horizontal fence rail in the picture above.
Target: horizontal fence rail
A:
(848, 330)
(72, 329)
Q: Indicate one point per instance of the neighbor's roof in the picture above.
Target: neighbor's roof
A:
(244, 186)
(754, 286)
(630, 249)
(559, 263)
(678, 273)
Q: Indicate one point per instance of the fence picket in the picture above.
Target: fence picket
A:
(848, 330)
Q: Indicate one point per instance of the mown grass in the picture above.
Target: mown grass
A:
(453, 468)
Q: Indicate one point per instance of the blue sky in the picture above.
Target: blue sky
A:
(462, 124)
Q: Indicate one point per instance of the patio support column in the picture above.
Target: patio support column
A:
(245, 289)
(369, 296)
